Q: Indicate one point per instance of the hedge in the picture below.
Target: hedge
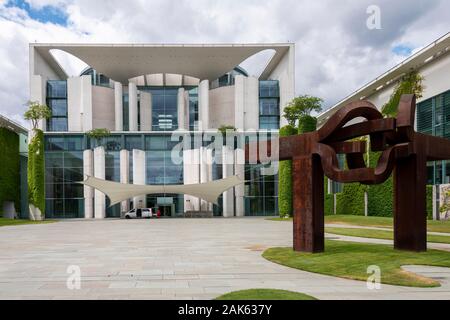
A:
(36, 171)
(351, 199)
(329, 199)
(9, 168)
(307, 123)
(380, 197)
(285, 178)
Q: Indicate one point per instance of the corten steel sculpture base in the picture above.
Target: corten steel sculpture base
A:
(403, 151)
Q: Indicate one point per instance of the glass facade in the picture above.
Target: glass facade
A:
(164, 107)
(433, 117)
(160, 168)
(193, 109)
(57, 102)
(228, 78)
(63, 168)
(97, 79)
(260, 192)
(269, 105)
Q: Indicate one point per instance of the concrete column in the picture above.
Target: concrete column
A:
(88, 170)
(132, 107)
(99, 172)
(181, 109)
(209, 159)
(79, 103)
(239, 101)
(118, 106)
(203, 104)
(239, 170)
(191, 175)
(124, 175)
(251, 104)
(186, 109)
(38, 94)
(139, 176)
(227, 171)
(146, 111)
(203, 175)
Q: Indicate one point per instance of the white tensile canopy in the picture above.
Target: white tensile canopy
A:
(117, 192)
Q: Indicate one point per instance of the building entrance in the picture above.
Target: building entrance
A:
(166, 210)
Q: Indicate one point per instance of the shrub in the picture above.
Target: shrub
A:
(285, 178)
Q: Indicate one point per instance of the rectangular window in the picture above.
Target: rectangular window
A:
(433, 117)
(57, 102)
(269, 105)
(164, 107)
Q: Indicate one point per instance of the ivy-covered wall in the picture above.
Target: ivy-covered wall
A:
(351, 199)
(285, 178)
(379, 197)
(36, 171)
(9, 168)
(329, 199)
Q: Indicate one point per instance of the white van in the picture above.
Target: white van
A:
(139, 213)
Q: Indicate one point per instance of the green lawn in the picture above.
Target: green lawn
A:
(380, 234)
(351, 259)
(15, 222)
(434, 226)
(264, 294)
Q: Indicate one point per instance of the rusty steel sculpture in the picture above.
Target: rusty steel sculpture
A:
(404, 153)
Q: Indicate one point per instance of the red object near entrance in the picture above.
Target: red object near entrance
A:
(158, 213)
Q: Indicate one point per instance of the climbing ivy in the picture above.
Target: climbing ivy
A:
(9, 168)
(285, 178)
(411, 83)
(36, 171)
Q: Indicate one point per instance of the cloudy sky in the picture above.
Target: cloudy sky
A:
(335, 51)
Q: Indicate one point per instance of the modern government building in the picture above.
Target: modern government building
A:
(144, 94)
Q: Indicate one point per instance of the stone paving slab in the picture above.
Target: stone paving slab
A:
(171, 259)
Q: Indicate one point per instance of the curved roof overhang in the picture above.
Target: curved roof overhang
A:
(122, 62)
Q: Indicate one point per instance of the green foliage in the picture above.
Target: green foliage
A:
(301, 106)
(430, 202)
(264, 294)
(36, 171)
(285, 178)
(36, 112)
(350, 260)
(98, 134)
(412, 83)
(307, 123)
(9, 168)
(329, 200)
(351, 199)
(380, 196)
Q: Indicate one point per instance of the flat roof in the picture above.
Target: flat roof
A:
(12, 125)
(122, 62)
(430, 53)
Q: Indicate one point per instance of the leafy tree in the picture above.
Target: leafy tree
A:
(36, 112)
(98, 134)
(412, 83)
(301, 106)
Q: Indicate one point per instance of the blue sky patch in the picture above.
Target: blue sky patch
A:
(45, 14)
(402, 50)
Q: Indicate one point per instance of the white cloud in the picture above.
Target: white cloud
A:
(335, 52)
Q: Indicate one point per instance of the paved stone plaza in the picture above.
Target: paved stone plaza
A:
(169, 259)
